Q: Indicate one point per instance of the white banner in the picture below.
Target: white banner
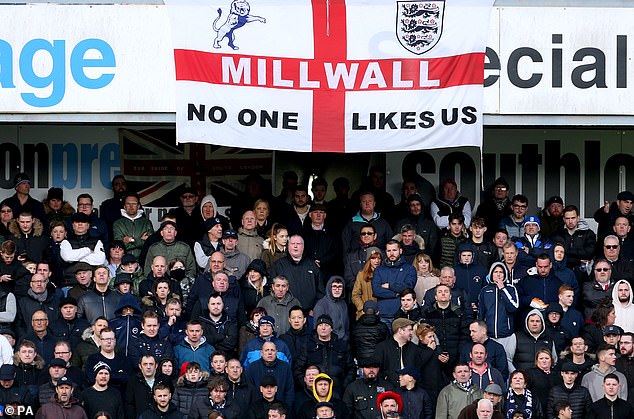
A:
(81, 58)
(335, 76)
(560, 60)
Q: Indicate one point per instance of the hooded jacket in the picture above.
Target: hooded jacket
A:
(307, 408)
(366, 333)
(528, 344)
(399, 275)
(55, 409)
(469, 276)
(336, 308)
(126, 328)
(187, 393)
(34, 244)
(498, 305)
(624, 311)
(593, 381)
(134, 227)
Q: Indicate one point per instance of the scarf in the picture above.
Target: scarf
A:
(519, 401)
(465, 386)
(40, 298)
(217, 406)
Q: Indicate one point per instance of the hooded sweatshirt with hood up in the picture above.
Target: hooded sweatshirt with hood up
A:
(528, 343)
(336, 308)
(498, 305)
(624, 311)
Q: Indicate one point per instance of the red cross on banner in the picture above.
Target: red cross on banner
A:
(331, 75)
(328, 106)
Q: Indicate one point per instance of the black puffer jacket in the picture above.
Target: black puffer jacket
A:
(451, 326)
(186, 392)
(578, 397)
(366, 333)
(528, 344)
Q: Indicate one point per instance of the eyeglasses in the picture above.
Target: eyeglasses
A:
(611, 246)
(520, 206)
(61, 353)
(39, 320)
(602, 269)
(366, 233)
(501, 188)
(337, 286)
(84, 205)
(6, 211)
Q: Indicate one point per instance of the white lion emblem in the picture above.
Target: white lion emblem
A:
(238, 17)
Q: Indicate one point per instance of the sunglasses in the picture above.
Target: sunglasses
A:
(602, 270)
(366, 233)
(611, 246)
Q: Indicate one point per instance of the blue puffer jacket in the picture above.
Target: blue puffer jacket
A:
(400, 276)
(497, 306)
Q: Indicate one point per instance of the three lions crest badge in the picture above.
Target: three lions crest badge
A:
(419, 24)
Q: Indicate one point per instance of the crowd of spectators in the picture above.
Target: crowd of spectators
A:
(294, 306)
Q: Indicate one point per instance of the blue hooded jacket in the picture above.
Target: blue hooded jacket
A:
(497, 306)
(126, 328)
(469, 276)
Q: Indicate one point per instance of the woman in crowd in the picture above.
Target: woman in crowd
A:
(521, 398)
(262, 212)
(427, 276)
(157, 302)
(362, 289)
(251, 329)
(275, 245)
(254, 284)
(433, 380)
(541, 377)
